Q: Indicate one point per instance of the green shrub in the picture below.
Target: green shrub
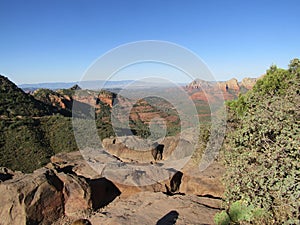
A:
(263, 147)
(238, 212)
(274, 82)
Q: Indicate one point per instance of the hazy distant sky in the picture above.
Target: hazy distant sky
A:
(57, 40)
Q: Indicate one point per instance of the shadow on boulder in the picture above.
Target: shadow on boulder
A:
(157, 152)
(103, 192)
(81, 222)
(5, 174)
(175, 183)
(169, 219)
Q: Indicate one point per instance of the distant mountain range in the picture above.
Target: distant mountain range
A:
(95, 85)
(53, 86)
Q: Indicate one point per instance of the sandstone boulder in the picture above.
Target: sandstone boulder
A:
(84, 188)
(127, 177)
(75, 163)
(69, 186)
(48, 193)
(76, 193)
(32, 199)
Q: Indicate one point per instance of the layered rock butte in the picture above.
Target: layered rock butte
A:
(215, 91)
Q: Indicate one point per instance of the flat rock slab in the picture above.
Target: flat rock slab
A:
(158, 208)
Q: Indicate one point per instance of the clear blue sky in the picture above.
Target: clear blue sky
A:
(57, 40)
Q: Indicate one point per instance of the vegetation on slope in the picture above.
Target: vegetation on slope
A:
(31, 131)
(23, 146)
(27, 144)
(263, 152)
(14, 102)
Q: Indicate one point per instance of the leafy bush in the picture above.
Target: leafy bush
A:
(263, 149)
(237, 213)
(273, 82)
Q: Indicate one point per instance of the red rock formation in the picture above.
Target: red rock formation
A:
(211, 91)
(64, 102)
(87, 99)
(225, 86)
(53, 98)
(232, 84)
(106, 99)
(248, 83)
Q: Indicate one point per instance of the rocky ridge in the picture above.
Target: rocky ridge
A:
(68, 189)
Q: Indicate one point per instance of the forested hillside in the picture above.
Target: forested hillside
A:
(14, 102)
(31, 131)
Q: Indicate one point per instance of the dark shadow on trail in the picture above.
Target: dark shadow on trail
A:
(169, 219)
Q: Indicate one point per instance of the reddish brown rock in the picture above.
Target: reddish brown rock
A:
(248, 83)
(31, 199)
(202, 183)
(231, 84)
(86, 99)
(51, 192)
(64, 102)
(207, 88)
(54, 98)
(107, 97)
(76, 192)
(76, 164)
(158, 208)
